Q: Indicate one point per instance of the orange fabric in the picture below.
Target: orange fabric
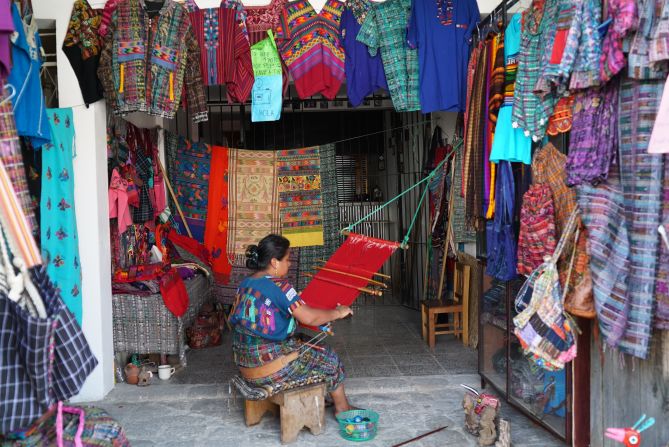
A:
(216, 230)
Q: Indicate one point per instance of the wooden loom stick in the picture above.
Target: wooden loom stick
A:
(421, 436)
(377, 283)
(381, 275)
(449, 229)
(350, 286)
(174, 197)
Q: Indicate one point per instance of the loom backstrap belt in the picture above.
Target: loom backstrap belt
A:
(405, 241)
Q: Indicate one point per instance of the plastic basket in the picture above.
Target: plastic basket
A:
(358, 425)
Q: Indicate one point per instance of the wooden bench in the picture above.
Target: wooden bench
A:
(298, 408)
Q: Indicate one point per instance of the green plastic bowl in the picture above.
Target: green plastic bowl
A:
(360, 431)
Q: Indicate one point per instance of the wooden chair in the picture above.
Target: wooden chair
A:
(298, 408)
(431, 310)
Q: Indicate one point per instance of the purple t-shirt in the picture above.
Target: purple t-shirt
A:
(364, 73)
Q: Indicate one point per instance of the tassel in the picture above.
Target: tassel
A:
(171, 86)
(122, 80)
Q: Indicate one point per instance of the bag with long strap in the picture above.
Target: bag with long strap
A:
(542, 327)
(44, 354)
(537, 236)
(500, 234)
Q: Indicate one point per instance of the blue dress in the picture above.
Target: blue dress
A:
(29, 103)
(510, 143)
(364, 73)
(440, 30)
(60, 242)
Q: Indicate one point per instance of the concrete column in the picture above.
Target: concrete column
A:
(92, 207)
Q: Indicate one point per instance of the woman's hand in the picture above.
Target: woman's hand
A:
(343, 311)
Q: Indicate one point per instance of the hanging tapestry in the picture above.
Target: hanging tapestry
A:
(300, 200)
(603, 215)
(359, 257)
(641, 178)
(253, 210)
(309, 256)
(216, 232)
(191, 182)
(60, 242)
(266, 95)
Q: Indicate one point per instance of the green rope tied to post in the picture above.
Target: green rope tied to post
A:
(430, 176)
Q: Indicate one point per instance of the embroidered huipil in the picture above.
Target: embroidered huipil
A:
(147, 62)
(260, 19)
(364, 73)
(225, 54)
(530, 111)
(385, 28)
(82, 48)
(309, 45)
(623, 14)
(440, 30)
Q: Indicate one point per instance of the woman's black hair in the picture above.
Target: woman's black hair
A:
(259, 257)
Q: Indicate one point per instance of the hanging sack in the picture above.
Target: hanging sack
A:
(537, 238)
(45, 357)
(541, 325)
(500, 235)
(579, 299)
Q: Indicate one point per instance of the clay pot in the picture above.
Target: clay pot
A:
(131, 373)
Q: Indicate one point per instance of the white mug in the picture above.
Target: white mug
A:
(165, 371)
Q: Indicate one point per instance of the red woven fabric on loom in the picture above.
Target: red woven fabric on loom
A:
(359, 255)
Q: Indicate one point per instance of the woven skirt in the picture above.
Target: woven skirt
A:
(319, 363)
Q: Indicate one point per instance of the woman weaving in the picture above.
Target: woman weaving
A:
(264, 347)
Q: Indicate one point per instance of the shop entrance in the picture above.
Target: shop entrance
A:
(379, 154)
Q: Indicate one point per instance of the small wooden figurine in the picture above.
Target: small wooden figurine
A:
(481, 412)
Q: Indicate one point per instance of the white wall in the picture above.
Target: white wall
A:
(92, 208)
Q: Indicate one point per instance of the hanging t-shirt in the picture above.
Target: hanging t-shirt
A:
(265, 307)
(266, 95)
(29, 103)
(440, 30)
(364, 73)
(384, 29)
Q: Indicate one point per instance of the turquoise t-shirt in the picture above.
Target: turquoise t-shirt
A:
(265, 307)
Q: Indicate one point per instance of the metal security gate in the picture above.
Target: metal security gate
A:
(379, 153)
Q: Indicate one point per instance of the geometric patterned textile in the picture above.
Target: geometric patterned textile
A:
(253, 211)
(300, 201)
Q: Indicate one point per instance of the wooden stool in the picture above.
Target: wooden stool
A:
(298, 408)
(431, 310)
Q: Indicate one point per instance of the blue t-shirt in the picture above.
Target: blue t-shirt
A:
(265, 307)
(364, 73)
(441, 31)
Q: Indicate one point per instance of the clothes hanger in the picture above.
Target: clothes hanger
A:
(12, 93)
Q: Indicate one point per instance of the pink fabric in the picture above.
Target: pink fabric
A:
(59, 424)
(659, 139)
(160, 197)
(118, 201)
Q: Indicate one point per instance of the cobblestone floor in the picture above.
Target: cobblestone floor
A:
(389, 369)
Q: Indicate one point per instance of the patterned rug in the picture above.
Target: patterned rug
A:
(309, 256)
(253, 211)
(188, 164)
(300, 199)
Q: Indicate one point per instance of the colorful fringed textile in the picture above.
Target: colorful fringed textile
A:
(359, 255)
(300, 200)
(641, 178)
(253, 210)
(603, 215)
(309, 256)
(216, 231)
(191, 182)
